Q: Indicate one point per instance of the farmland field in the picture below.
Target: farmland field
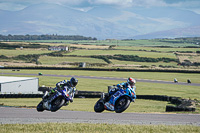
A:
(161, 49)
(153, 42)
(113, 52)
(175, 51)
(48, 60)
(17, 52)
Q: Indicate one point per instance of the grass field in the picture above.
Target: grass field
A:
(153, 42)
(141, 48)
(147, 48)
(182, 77)
(130, 64)
(49, 60)
(87, 104)
(113, 52)
(11, 53)
(95, 128)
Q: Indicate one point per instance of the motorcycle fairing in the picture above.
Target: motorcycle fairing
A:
(110, 104)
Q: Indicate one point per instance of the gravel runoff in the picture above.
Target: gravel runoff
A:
(12, 115)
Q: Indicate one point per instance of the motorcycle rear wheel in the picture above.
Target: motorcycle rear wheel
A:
(99, 106)
(122, 104)
(57, 103)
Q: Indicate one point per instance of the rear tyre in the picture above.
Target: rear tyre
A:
(122, 104)
(57, 103)
(40, 107)
(99, 106)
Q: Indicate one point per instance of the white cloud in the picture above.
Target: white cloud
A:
(112, 2)
(144, 3)
(192, 5)
(149, 3)
(186, 4)
(11, 6)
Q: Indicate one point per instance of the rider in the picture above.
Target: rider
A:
(70, 84)
(130, 83)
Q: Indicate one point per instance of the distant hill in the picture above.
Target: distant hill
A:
(174, 33)
(101, 22)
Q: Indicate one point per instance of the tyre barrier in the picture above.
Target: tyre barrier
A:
(173, 109)
(21, 95)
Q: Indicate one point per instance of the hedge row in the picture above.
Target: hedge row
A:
(102, 69)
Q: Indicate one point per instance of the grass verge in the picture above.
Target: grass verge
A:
(94, 128)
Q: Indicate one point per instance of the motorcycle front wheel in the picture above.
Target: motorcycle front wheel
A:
(122, 104)
(40, 107)
(57, 103)
(99, 106)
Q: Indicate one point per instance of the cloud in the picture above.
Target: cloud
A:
(128, 3)
(185, 4)
(111, 2)
(11, 6)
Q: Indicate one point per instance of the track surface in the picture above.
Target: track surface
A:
(12, 115)
(108, 78)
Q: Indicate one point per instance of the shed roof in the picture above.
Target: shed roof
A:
(7, 79)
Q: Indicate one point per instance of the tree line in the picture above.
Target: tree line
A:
(45, 37)
(14, 46)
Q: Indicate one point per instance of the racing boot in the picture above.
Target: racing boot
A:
(45, 95)
(103, 96)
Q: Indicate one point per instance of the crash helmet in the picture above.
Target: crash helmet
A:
(131, 81)
(73, 82)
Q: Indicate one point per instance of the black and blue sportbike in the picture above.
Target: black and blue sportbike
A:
(117, 102)
(55, 101)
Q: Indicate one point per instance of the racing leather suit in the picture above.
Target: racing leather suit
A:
(61, 85)
(122, 85)
(71, 90)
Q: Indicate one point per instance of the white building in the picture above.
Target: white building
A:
(59, 48)
(18, 85)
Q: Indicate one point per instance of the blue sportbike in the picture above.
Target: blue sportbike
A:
(117, 102)
(55, 101)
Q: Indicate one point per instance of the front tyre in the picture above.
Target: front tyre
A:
(99, 106)
(57, 103)
(40, 107)
(122, 104)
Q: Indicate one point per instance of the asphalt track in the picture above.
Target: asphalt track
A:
(12, 115)
(108, 78)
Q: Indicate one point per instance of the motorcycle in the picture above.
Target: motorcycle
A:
(117, 102)
(55, 101)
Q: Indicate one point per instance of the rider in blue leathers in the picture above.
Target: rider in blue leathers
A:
(130, 83)
(71, 86)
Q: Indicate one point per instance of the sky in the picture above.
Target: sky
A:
(192, 5)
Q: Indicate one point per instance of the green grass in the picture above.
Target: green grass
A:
(113, 52)
(87, 104)
(137, 48)
(49, 60)
(165, 76)
(153, 42)
(118, 62)
(11, 53)
(95, 128)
